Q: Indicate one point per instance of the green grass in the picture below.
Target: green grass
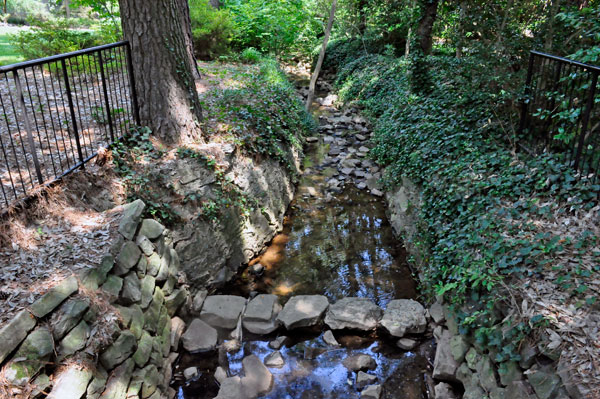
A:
(8, 53)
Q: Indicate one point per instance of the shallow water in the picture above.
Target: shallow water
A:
(337, 245)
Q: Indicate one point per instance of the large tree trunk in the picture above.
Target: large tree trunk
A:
(164, 66)
(362, 15)
(425, 28)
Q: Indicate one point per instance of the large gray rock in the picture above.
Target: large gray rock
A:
(222, 311)
(34, 352)
(14, 332)
(371, 392)
(353, 313)
(363, 379)
(444, 365)
(257, 379)
(120, 350)
(75, 340)
(54, 297)
(231, 388)
(116, 386)
(359, 362)
(144, 349)
(261, 314)
(68, 316)
(151, 229)
(404, 316)
(132, 213)
(303, 311)
(177, 329)
(128, 257)
(71, 383)
(199, 337)
(444, 391)
(544, 382)
(274, 359)
(131, 292)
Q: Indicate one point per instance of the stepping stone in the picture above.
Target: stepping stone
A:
(222, 311)
(199, 337)
(261, 314)
(353, 313)
(257, 379)
(303, 311)
(359, 362)
(275, 359)
(407, 344)
(404, 316)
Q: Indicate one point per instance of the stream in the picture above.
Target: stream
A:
(336, 242)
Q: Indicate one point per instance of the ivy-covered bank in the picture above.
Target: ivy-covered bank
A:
(493, 222)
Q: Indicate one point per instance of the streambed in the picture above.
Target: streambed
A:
(336, 242)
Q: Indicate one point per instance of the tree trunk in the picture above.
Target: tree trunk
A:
(67, 8)
(313, 80)
(407, 45)
(425, 28)
(553, 10)
(164, 67)
(362, 15)
(215, 3)
(460, 43)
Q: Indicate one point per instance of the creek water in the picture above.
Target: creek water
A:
(337, 244)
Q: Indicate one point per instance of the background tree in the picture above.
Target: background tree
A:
(164, 66)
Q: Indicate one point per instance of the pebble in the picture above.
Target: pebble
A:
(277, 342)
(190, 373)
(275, 359)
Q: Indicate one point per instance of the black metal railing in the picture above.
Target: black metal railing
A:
(561, 111)
(57, 112)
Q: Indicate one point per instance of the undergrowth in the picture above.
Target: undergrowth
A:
(481, 200)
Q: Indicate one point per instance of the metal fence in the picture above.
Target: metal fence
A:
(561, 111)
(57, 112)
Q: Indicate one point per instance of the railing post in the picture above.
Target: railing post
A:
(134, 99)
(524, 104)
(586, 118)
(28, 127)
(72, 109)
(106, 101)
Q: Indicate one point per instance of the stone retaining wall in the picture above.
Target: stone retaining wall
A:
(109, 332)
(461, 364)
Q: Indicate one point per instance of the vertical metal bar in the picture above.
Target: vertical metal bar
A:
(134, 99)
(72, 110)
(28, 127)
(60, 120)
(16, 115)
(93, 69)
(83, 81)
(76, 98)
(12, 144)
(586, 118)
(524, 103)
(52, 118)
(553, 93)
(106, 102)
(35, 119)
(112, 86)
(575, 92)
(122, 86)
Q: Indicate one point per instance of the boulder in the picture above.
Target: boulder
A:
(199, 337)
(75, 340)
(363, 379)
(116, 386)
(303, 311)
(436, 311)
(274, 359)
(222, 311)
(128, 257)
(144, 349)
(151, 229)
(277, 342)
(444, 365)
(177, 328)
(190, 373)
(545, 382)
(71, 383)
(130, 219)
(261, 313)
(120, 350)
(68, 316)
(231, 388)
(404, 316)
(34, 352)
(444, 391)
(353, 313)
(371, 392)
(407, 344)
(359, 362)
(54, 297)
(220, 375)
(257, 379)
(198, 301)
(131, 292)
(14, 332)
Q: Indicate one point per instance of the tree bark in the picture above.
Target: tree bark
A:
(424, 30)
(67, 8)
(553, 10)
(315, 76)
(164, 67)
(362, 15)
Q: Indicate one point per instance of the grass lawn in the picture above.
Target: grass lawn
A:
(8, 54)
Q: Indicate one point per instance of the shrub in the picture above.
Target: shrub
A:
(50, 38)
(250, 56)
(212, 29)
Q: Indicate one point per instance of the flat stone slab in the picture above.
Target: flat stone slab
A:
(303, 311)
(261, 314)
(119, 351)
(71, 384)
(231, 388)
(444, 364)
(359, 362)
(353, 313)
(199, 337)
(371, 392)
(404, 316)
(31, 356)
(54, 297)
(363, 379)
(222, 311)
(257, 379)
(14, 332)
